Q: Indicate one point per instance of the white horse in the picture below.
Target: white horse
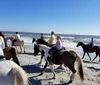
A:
(68, 58)
(12, 74)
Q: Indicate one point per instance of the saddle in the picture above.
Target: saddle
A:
(54, 52)
(90, 48)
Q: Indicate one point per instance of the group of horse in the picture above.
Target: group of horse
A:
(10, 72)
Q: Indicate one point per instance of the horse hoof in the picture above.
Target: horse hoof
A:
(39, 63)
(70, 81)
(53, 78)
(40, 74)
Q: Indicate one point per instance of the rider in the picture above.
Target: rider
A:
(91, 44)
(42, 36)
(57, 48)
(52, 39)
(17, 38)
(58, 44)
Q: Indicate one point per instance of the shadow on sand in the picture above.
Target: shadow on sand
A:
(37, 69)
(96, 69)
(34, 82)
(28, 53)
(85, 61)
(34, 69)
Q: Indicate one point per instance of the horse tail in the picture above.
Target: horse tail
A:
(80, 67)
(20, 76)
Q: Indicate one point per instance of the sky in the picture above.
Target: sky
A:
(60, 16)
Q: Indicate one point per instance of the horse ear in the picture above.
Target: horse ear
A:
(34, 44)
(33, 40)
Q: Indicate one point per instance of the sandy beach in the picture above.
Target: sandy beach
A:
(29, 63)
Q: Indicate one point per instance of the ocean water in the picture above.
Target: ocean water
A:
(69, 40)
(72, 38)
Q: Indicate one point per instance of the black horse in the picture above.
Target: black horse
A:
(36, 50)
(87, 49)
(68, 58)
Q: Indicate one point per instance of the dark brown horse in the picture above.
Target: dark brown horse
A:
(10, 52)
(68, 58)
(87, 49)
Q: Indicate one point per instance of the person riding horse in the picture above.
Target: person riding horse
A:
(57, 49)
(90, 44)
(17, 38)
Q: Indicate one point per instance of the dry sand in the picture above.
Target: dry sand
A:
(29, 63)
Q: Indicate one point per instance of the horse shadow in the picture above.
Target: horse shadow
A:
(28, 53)
(62, 84)
(34, 68)
(38, 82)
(85, 61)
(96, 69)
(34, 82)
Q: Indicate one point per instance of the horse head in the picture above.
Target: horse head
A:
(33, 40)
(36, 49)
(79, 44)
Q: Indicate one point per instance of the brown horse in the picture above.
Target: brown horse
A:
(17, 43)
(68, 58)
(87, 49)
(10, 52)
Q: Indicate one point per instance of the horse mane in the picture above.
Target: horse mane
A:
(43, 47)
(41, 41)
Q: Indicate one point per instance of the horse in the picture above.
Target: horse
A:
(17, 43)
(36, 50)
(68, 58)
(41, 41)
(88, 50)
(10, 53)
(12, 74)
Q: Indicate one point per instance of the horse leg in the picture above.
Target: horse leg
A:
(45, 66)
(42, 54)
(71, 67)
(16, 49)
(96, 57)
(88, 55)
(99, 58)
(83, 55)
(24, 48)
(72, 75)
(20, 48)
(40, 60)
(51, 67)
